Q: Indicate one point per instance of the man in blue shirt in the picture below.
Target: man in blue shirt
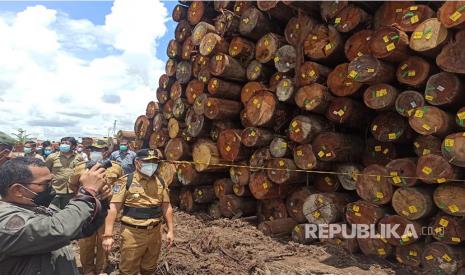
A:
(124, 157)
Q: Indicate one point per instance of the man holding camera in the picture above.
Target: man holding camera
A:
(93, 258)
(35, 238)
(145, 201)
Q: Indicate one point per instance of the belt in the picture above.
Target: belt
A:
(143, 212)
(147, 227)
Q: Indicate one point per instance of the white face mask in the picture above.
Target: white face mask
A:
(96, 156)
(148, 169)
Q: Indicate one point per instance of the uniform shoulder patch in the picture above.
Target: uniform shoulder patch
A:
(116, 188)
(15, 223)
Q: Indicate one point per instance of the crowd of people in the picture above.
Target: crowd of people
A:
(52, 196)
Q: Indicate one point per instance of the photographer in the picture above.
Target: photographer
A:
(35, 238)
(93, 258)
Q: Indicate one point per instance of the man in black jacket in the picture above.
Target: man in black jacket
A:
(35, 238)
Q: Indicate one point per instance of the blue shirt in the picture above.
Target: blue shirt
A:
(125, 159)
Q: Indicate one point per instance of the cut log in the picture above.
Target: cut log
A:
(452, 15)
(311, 72)
(126, 134)
(219, 109)
(271, 209)
(152, 109)
(413, 71)
(276, 9)
(276, 78)
(348, 174)
(407, 231)
(230, 146)
(257, 71)
(390, 13)
(370, 70)
(299, 235)
(348, 112)
(448, 229)
(240, 175)
(391, 127)
(204, 194)
(445, 89)
(453, 149)
(200, 64)
(277, 227)
(241, 6)
(193, 89)
(282, 171)
(165, 82)
(224, 89)
(180, 107)
(158, 139)
(377, 152)
(227, 24)
(449, 198)
(434, 168)
(413, 203)
(167, 172)
(256, 137)
(280, 147)
(340, 83)
(364, 213)
(389, 44)
(187, 175)
(183, 72)
(199, 104)
(314, 97)
(162, 95)
(357, 44)
(303, 129)
(197, 125)
(403, 172)
(429, 37)
(430, 120)
(214, 210)
(263, 110)
(330, 9)
(182, 31)
(350, 18)
(380, 96)
(337, 147)
(427, 144)
(177, 149)
(242, 49)
(186, 202)
(285, 91)
(204, 75)
(199, 10)
(407, 101)
(266, 47)
(174, 49)
(325, 208)
(241, 191)
(176, 90)
(224, 66)
(346, 242)
(297, 28)
(179, 13)
(213, 44)
(206, 156)
(254, 24)
(295, 202)
(250, 89)
(326, 183)
(372, 185)
(234, 206)
(222, 187)
(304, 157)
(412, 17)
(259, 158)
(143, 127)
(375, 247)
(439, 258)
(262, 187)
(324, 44)
(410, 255)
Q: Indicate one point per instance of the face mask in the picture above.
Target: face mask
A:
(65, 148)
(47, 152)
(148, 169)
(38, 149)
(27, 150)
(79, 150)
(43, 198)
(123, 148)
(96, 156)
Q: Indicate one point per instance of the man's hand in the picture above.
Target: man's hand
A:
(170, 238)
(106, 193)
(107, 244)
(94, 178)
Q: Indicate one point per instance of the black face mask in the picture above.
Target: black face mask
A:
(43, 198)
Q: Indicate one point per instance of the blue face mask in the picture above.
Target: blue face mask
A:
(47, 152)
(27, 150)
(65, 148)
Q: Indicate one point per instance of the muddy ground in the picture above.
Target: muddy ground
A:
(206, 246)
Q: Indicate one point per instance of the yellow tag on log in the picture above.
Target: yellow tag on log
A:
(337, 20)
(353, 74)
(294, 124)
(390, 47)
(300, 153)
(297, 130)
(321, 154)
(266, 42)
(453, 208)
(378, 148)
(443, 222)
(417, 145)
(429, 257)
(265, 185)
(314, 37)
(429, 97)
(378, 178)
(379, 195)
(417, 35)
(414, 8)
(405, 238)
(392, 136)
(455, 16)
(381, 93)
(413, 253)
(320, 199)
(394, 173)
(355, 208)
(370, 70)
(381, 251)
(311, 73)
(329, 154)
(412, 209)
(449, 142)
(252, 133)
(446, 258)
(455, 239)
(414, 19)
(219, 57)
(385, 151)
(209, 104)
(398, 10)
(405, 213)
(281, 163)
(419, 113)
(328, 47)
(297, 229)
(359, 54)
(438, 230)
(411, 73)
(396, 180)
(358, 214)
(386, 39)
(340, 113)
(276, 59)
(255, 101)
(427, 170)
(461, 115)
(228, 148)
(404, 66)
(375, 127)
(429, 35)
(427, 127)
(426, 151)
(316, 214)
(441, 180)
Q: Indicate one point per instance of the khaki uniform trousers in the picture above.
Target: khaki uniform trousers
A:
(93, 258)
(140, 249)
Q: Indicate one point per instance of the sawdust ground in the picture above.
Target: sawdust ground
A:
(223, 246)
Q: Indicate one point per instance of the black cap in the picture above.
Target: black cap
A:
(149, 154)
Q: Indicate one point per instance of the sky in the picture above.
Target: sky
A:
(71, 68)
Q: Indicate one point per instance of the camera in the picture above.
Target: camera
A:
(104, 164)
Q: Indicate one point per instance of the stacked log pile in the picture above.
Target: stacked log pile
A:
(331, 112)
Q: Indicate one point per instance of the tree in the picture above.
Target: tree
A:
(21, 136)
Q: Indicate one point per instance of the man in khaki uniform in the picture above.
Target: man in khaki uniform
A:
(145, 201)
(61, 164)
(93, 258)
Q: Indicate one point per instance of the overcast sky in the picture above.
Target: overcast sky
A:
(71, 69)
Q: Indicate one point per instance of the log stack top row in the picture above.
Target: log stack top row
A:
(320, 112)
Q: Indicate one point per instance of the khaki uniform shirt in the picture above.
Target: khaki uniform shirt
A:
(111, 174)
(62, 168)
(143, 192)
